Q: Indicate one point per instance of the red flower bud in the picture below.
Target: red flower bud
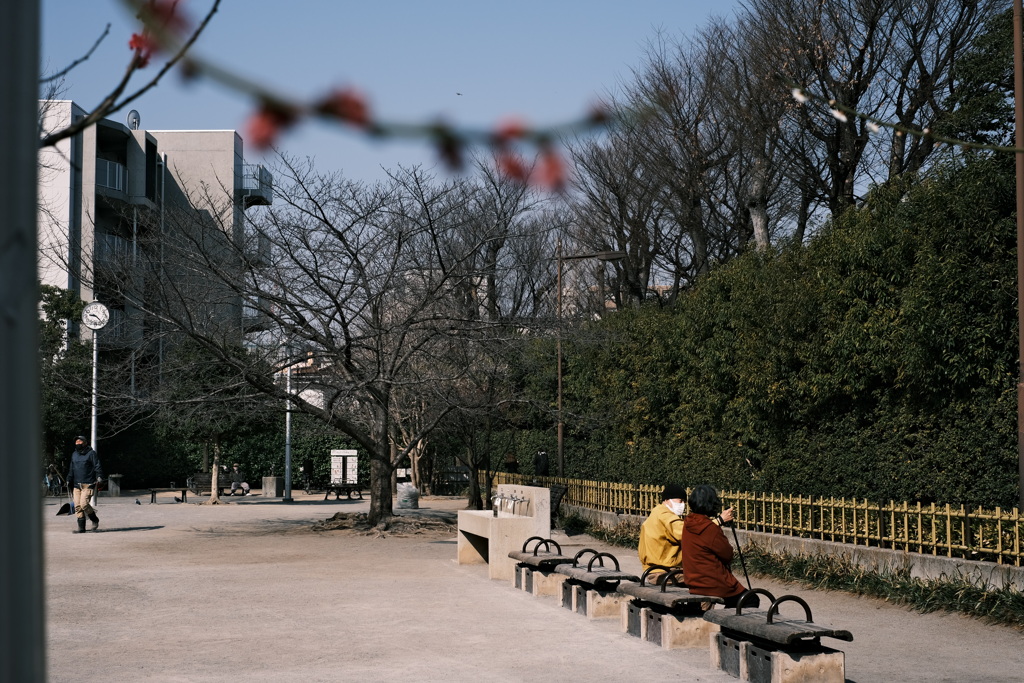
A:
(143, 46)
(550, 172)
(512, 166)
(510, 129)
(348, 105)
(266, 124)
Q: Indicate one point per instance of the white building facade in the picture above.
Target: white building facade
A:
(113, 187)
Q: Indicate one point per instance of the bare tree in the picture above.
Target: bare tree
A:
(390, 291)
(840, 49)
(930, 38)
(618, 207)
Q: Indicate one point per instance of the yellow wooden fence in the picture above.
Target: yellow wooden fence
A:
(947, 530)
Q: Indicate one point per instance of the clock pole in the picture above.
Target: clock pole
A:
(94, 316)
(95, 383)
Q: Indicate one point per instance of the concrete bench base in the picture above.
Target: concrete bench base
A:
(673, 632)
(590, 602)
(668, 631)
(537, 582)
(750, 662)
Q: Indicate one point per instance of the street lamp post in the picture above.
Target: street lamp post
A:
(560, 257)
(288, 436)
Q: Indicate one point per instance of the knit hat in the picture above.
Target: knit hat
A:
(673, 491)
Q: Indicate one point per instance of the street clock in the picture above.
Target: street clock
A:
(95, 315)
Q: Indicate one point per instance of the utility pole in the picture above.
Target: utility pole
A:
(1018, 110)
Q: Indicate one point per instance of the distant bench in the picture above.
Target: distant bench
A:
(183, 490)
(338, 488)
(203, 481)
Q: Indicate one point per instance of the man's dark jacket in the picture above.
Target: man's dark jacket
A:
(84, 468)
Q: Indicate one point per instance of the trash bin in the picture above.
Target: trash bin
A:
(114, 484)
(408, 497)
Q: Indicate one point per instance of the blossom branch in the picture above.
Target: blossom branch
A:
(841, 113)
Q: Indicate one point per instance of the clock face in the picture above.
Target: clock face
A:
(95, 315)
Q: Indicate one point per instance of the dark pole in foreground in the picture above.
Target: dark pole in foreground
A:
(1018, 109)
(22, 624)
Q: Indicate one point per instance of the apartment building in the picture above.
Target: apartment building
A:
(111, 193)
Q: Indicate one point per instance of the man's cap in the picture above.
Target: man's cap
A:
(80, 438)
(673, 491)
(235, 465)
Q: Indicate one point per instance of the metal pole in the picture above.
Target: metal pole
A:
(95, 385)
(23, 623)
(288, 436)
(1018, 101)
(558, 343)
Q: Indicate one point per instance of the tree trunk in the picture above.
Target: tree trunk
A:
(215, 472)
(757, 203)
(380, 490)
(473, 495)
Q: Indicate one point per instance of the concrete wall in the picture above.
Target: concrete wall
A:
(875, 559)
(59, 215)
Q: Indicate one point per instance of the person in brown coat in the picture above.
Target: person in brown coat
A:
(707, 553)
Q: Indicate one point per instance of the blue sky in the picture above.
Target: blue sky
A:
(543, 61)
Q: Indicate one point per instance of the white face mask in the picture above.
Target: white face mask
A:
(678, 508)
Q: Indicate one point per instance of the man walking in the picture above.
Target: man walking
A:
(84, 473)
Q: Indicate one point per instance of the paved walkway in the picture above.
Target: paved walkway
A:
(187, 592)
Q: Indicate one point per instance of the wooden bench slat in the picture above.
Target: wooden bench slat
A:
(596, 576)
(672, 597)
(782, 631)
(544, 561)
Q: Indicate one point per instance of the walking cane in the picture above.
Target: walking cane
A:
(743, 562)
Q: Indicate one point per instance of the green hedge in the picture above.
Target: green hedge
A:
(877, 361)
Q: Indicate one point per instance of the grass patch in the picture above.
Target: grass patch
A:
(974, 598)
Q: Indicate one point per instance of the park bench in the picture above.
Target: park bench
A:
(182, 493)
(592, 589)
(668, 615)
(488, 536)
(202, 482)
(535, 568)
(338, 488)
(760, 646)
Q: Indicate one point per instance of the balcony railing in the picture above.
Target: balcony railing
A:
(256, 186)
(111, 174)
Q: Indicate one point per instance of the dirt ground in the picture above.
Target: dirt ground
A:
(267, 590)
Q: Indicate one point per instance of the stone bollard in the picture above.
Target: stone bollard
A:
(114, 485)
(273, 487)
